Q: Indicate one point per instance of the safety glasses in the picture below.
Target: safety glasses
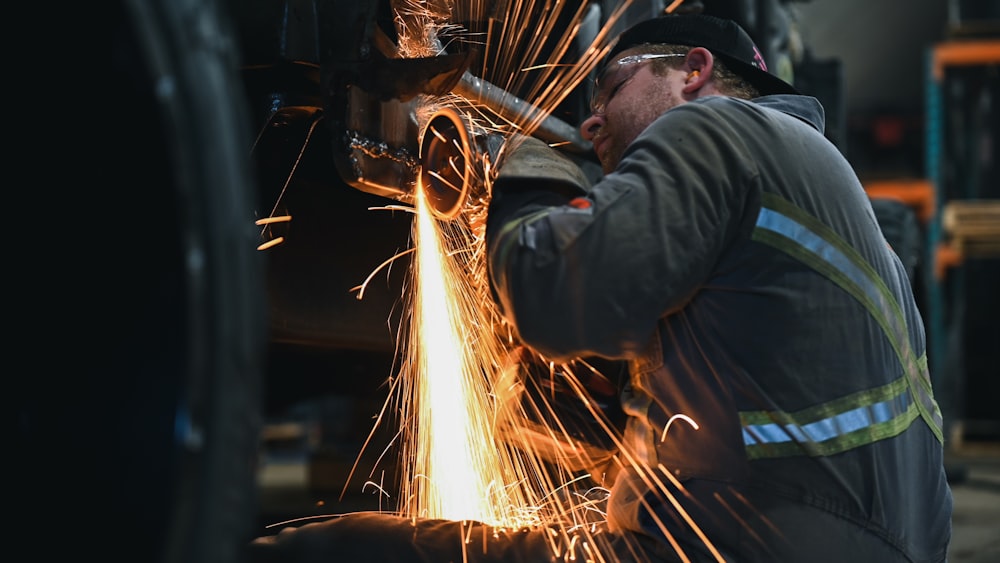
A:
(616, 75)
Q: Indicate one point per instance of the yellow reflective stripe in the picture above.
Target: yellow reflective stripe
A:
(818, 246)
(833, 427)
(818, 240)
(785, 227)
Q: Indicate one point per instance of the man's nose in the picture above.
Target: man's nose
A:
(591, 126)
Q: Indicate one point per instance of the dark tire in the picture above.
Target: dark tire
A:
(138, 418)
(191, 57)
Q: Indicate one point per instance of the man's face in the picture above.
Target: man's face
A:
(628, 97)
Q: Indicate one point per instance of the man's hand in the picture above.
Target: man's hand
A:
(527, 162)
(532, 175)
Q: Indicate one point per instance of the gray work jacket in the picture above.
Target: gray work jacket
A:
(734, 259)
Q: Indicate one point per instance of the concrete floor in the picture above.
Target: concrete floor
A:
(976, 519)
(286, 494)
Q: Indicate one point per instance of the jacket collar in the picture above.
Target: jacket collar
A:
(806, 108)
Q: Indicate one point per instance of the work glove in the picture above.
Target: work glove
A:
(529, 163)
(531, 175)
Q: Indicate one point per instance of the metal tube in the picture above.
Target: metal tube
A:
(550, 129)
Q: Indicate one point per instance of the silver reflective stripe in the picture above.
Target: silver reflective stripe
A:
(832, 427)
(829, 428)
(787, 228)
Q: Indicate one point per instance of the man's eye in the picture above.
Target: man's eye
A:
(616, 88)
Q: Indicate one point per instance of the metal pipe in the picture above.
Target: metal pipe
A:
(508, 106)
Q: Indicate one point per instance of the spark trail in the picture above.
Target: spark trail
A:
(473, 446)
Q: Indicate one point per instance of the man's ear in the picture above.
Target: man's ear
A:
(699, 65)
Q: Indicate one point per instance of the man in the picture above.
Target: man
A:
(778, 399)
(731, 253)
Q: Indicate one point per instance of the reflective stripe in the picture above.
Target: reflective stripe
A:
(880, 413)
(827, 428)
(865, 417)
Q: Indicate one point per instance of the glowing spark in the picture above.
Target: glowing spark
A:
(381, 490)
(445, 180)
(673, 6)
(270, 243)
(361, 288)
(269, 220)
(683, 417)
(687, 517)
(439, 135)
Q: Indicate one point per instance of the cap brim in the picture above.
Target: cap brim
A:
(765, 82)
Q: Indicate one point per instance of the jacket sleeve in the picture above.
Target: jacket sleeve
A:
(590, 275)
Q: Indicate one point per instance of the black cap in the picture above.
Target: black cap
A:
(724, 38)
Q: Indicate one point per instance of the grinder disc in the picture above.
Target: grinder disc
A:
(445, 170)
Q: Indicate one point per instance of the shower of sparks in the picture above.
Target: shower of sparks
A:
(469, 450)
(477, 442)
(456, 477)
